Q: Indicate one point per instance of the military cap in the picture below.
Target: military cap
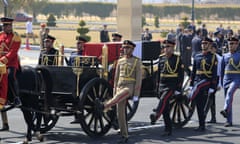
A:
(233, 39)
(81, 39)
(129, 43)
(208, 40)
(167, 41)
(116, 35)
(217, 32)
(6, 20)
(49, 37)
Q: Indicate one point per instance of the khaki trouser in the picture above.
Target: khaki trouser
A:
(120, 98)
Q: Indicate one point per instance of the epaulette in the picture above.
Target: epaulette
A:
(136, 57)
(16, 37)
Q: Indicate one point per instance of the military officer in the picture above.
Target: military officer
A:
(230, 74)
(80, 48)
(203, 80)
(10, 43)
(49, 55)
(170, 79)
(116, 37)
(127, 83)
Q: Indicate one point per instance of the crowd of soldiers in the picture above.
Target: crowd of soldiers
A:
(211, 62)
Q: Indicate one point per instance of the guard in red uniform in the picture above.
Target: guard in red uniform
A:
(9, 45)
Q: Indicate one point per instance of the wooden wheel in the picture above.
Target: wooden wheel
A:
(93, 120)
(181, 110)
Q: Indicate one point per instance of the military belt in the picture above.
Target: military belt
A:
(232, 72)
(169, 75)
(127, 79)
(204, 72)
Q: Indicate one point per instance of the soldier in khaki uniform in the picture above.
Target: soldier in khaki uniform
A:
(127, 83)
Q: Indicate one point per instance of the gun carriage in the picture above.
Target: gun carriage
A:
(73, 90)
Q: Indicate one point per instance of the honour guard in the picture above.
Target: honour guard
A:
(10, 43)
(170, 79)
(80, 48)
(49, 55)
(127, 83)
(230, 75)
(203, 80)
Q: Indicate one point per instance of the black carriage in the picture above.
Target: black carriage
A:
(68, 91)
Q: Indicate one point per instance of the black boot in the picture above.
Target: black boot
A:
(153, 118)
(122, 140)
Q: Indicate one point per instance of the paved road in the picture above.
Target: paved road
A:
(141, 132)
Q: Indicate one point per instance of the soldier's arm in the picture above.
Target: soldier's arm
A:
(116, 77)
(193, 74)
(214, 74)
(138, 78)
(180, 75)
(14, 47)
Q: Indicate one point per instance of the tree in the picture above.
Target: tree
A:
(82, 30)
(156, 21)
(143, 21)
(185, 22)
(51, 20)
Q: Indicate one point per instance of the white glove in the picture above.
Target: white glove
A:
(177, 92)
(190, 88)
(210, 91)
(135, 98)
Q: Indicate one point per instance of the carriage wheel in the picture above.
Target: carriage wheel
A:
(132, 105)
(46, 120)
(95, 122)
(181, 110)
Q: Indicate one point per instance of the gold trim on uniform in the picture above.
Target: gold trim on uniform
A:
(231, 72)
(203, 72)
(169, 75)
(127, 79)
(204, 63)
(4, 60)
(237, 67)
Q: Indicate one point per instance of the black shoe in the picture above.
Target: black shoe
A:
(227, 124)
(122, 140)
(153, 119)
(5, 127)
(17, 102)
(76, 121)
(200, 129)
(224, 113)
(166, 133)
(212, 121)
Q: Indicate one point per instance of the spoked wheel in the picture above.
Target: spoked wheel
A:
(93, 120)
(43, 120)
(181, 110)
(132, 105)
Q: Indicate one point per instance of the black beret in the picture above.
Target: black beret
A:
(168, 42)
(80, 38)
(116, 35)
(49, 37)
(6, 20)
(233, 39)
(129, 43)
(207, 39)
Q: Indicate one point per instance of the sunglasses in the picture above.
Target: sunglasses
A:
(204, 42)
(231, 43)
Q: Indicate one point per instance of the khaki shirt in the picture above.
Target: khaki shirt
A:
(128, 72)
